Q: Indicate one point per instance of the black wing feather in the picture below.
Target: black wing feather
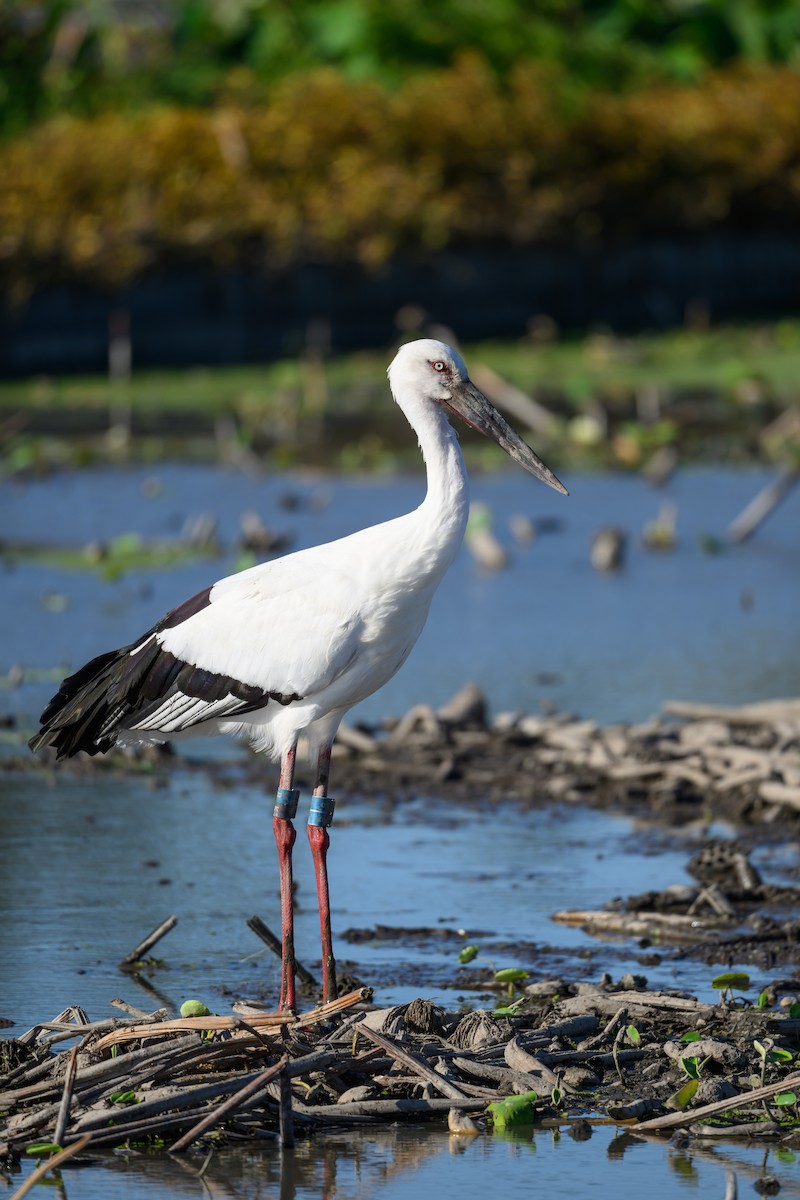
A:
(131, 688)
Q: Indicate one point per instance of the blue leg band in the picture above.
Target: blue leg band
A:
(286, 803)
(321, 811)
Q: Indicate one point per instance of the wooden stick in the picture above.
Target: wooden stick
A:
(228, 1106)
(674, 1120)
(285, 1118)
(392, 1108)
(66, 1098)
(138, 952)
(516, 402)
(762, 505)
(256, 1020)
(51, 1164)
(411, 1061)
(761, 712)
(268, 937)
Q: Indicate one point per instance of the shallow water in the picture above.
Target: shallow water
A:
(89, 865)
(70, 856)
(401, 1162)
(685, 624)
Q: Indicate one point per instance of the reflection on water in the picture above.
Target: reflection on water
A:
(397, 1163)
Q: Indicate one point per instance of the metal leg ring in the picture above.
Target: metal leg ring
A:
(321, 811)
(286, 803)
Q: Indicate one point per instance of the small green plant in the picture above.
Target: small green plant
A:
(692, 1066)
(510, 976)
(683, 1097)
(729, 980)
(768, 1052)
(467, 954)
(513, 1111)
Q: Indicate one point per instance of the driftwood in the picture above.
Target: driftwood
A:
(140, 951)
(762, 505)
(676, 1120)
(288, 1075)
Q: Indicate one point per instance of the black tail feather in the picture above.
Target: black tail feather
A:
(75, 716)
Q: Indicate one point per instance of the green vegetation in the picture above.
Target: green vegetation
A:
(729, 394)
(86, 56)
(331, 169)
(513, 1111)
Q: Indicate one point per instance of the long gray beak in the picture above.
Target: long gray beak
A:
(467, 402)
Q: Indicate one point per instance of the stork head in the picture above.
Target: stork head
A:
(431, 371)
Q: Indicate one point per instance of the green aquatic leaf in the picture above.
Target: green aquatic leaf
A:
(684, 1096)
(40, 1149)
(467, 954)
(510, 975)
(194, 1008)
(633, 1035)
(691, 1035)
(514, 1110)
(778, 1054)
(692, 1067)
(785, 1099)
(732, 979)
(508, 1010)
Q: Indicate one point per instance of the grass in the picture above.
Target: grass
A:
(694, 387)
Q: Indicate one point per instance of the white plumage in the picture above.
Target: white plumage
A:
(284, 649)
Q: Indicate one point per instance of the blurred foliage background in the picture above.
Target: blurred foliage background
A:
(86, 56)
(142, 136)
(143, 133)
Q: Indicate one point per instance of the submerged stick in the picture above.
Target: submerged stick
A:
(140, 951)
(268, 937)
(51, 1164)
(285, 1118)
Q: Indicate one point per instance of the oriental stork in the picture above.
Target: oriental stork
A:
(284, 649)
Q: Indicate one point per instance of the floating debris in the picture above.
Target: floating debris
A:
(482, 542)
(607, 551)
(661, 534)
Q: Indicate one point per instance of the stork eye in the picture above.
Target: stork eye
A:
(438, 366)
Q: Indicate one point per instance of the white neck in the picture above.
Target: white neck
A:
(441, 519)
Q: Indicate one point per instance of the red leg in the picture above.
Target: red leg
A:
(285, 835)
(320, 817)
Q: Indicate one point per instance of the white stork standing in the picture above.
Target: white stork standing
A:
(286, 648)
